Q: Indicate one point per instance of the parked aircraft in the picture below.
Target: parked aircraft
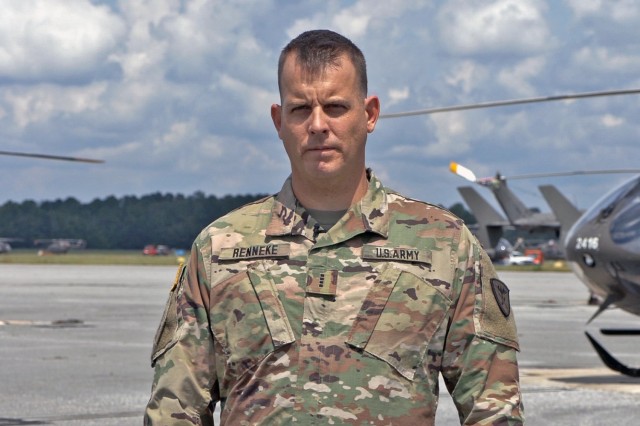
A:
(541, 226)
(5, 244)
(517, 213)
(59, 245)
(603, 249)
(5, 247)
(603, 245)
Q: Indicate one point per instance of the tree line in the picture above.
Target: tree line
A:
(129, 222)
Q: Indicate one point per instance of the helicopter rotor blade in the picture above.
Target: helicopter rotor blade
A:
(470, 176)
(574, 173)
(462, 171)
(493, 104)
(51, 157)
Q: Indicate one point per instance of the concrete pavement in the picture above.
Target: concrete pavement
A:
(75, 344)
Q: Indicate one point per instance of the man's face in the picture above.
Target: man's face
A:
(323, 122)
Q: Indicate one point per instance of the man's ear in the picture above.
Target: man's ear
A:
(276, 116)
(372, 108)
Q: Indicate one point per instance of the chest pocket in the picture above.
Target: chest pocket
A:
(397, 320)
(248, 319)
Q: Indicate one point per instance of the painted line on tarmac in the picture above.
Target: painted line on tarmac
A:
(71, 322)
(601, 379)
(4, 421)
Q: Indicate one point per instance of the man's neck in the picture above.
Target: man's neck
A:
(332, 196)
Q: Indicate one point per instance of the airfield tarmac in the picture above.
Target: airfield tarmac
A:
(75, 344)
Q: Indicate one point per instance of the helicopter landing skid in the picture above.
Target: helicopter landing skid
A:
(608, 359)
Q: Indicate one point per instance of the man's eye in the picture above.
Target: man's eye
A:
(334, 109)
(300, 108)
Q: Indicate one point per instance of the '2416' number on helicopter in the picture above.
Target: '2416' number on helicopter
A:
(587, 243)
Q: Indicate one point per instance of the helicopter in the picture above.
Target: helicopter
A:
(602, 247)
(603, 250)
(5, 244)
(519, 216)
(59, 245)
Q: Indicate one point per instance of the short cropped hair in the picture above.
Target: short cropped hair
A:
(318, 49)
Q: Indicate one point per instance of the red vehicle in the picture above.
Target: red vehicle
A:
(153, 250)
(150, 250)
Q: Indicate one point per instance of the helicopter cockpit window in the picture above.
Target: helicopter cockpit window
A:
(607, 204)
(625, 229)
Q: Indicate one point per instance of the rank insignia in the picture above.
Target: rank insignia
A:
(322, 282)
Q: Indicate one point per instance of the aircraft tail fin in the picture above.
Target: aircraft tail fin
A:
(490, 222)
(513, 207)
(563, 209)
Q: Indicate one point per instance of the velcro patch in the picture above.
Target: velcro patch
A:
(181, 268)
(263, 251)
(401, 254)
(493, 315)
(324, 283)
(501, 293)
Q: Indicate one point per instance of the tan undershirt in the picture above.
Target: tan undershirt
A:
(326, 218)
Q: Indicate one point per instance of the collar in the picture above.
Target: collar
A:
(370, 214)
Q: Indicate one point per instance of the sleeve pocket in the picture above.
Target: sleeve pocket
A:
(167, 333)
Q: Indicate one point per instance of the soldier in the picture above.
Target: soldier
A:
(337, 300)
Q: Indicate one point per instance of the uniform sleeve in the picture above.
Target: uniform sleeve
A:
(480, 367)
(183, 390)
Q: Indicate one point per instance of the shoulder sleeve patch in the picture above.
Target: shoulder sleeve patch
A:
(493, 314)
(501, 294)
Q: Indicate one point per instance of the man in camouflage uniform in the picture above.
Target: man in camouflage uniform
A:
(336, 301)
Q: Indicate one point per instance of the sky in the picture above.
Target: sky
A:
(175, 95)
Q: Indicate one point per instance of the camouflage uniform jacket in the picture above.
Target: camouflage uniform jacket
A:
(284, 324)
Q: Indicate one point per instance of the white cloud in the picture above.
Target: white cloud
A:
(356, 20)
(350, 24)
(516, 79)
(38, 104)
(45, 39)
(585, 7)
(179, 134)
(616, 10)
(397, 95)
(194, 80)
(466, 75)
(452, 135)
(255, 101)
(609, 120)
(606, 59)
(516, 27)
(185, 145)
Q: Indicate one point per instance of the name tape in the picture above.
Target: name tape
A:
(256, 251)
(370, 252)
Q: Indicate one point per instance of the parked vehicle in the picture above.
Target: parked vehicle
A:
(156, 250)
(517, 258)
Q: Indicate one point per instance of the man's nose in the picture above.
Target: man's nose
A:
(318, 121)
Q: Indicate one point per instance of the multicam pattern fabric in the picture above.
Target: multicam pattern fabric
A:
(283, 324)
